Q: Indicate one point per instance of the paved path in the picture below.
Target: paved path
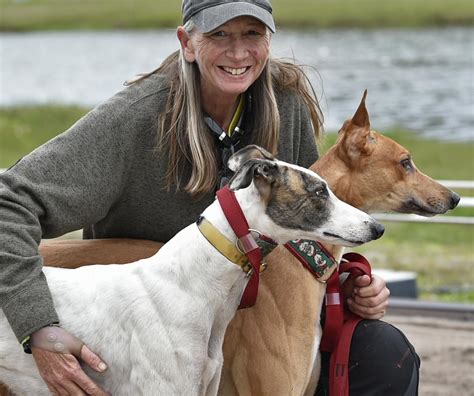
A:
(446, 349)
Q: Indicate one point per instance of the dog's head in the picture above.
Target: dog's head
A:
(287, 202)
(376, 174)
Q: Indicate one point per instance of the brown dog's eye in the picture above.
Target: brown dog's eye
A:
(407, 164)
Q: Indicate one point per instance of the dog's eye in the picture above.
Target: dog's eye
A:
(320, 191)
(407, 164)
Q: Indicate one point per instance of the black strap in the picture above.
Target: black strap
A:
(228, 145)
(219, 133)
(222, 136)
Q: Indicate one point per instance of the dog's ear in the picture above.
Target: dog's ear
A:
(356, 135)
(247, 153)
(361, 116)
(263, 171)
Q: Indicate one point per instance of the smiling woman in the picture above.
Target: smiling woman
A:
(227, 76)
(147, 162)
(230, 58)
(152, 154)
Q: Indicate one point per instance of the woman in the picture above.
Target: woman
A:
(146, 162)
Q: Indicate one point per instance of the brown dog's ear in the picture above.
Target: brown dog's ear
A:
(247, 153)
(356, 136)
(361, 116)
(262, 170)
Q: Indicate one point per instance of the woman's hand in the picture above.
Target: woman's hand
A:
(366, 298)
(63, 374)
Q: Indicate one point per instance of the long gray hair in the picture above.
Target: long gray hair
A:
(183, 134)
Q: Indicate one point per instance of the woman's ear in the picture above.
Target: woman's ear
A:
(186, 44)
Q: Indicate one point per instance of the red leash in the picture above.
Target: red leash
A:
(340, 324)
(237, 221)
(334, 314)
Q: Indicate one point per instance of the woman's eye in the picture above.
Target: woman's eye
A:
(255, 34)
(219, 33)
(407, 164)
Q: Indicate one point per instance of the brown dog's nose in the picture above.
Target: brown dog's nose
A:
(455, 198)
(377, 230)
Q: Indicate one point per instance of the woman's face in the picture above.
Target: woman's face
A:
(229, 58)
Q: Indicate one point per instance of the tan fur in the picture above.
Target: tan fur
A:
(4, 390)
(268, 348)
(363, 169)
(71, 253)
(296, 187)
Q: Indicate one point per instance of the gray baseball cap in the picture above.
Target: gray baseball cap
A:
(207, 15)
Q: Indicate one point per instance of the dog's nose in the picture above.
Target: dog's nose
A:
(377, 230)
(455, 198)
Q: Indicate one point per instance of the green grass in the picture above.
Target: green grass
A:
(144, 14)
(25, 128)
(441, 254)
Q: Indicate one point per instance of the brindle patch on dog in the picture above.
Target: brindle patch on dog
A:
(298, 200)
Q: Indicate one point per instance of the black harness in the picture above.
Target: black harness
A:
(228, 145)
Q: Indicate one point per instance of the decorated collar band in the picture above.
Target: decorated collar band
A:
(313, 256)
(231, 250)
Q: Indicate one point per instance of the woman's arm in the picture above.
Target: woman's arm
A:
(68, 183)
(64, 185)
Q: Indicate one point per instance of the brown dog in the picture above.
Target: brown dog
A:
(271, 349)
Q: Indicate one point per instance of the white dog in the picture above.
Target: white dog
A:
(160, 322)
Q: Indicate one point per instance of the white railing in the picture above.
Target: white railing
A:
(411, 218)
(465, 184)
(465, 202)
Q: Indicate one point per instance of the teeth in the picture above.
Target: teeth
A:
(235, 72)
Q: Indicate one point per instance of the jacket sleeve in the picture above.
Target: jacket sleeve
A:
(67, 183)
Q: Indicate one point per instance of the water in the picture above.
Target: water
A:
(421, 80)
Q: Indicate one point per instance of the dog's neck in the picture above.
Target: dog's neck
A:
(338, 176)
(254, 210)
(215, 215)
(209, 285)
(195, 265)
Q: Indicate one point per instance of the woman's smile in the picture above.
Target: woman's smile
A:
(235, 71)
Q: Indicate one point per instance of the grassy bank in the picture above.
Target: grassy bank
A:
(25, 128)
(145, 14)
(442, 255)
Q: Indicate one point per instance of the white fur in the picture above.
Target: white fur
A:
(159, 323)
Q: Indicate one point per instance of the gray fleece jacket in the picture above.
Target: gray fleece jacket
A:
(104, 175)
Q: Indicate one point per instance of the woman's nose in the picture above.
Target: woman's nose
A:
(237, 49)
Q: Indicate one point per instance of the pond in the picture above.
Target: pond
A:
(421, 80)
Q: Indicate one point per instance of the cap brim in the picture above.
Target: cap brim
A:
(211, 18)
